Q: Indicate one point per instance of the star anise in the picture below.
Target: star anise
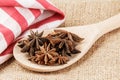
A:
(61, 59)
(37, 59)
(34, 34)
(64, 41)
(53, 41)
(46, 54)
(51, 49)
(25, 46)
(66, 47)
(21, 43)
(32, 43)
(70, 36)
(35, 39)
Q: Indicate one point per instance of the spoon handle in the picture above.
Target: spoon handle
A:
(109, 24)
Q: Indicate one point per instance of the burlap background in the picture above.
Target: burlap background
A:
(102, 62)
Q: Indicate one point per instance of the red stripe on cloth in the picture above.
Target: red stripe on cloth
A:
(9, 50)
(16, 16)
(9, 3)
(7, 33)
(48, 6)
(35, 12)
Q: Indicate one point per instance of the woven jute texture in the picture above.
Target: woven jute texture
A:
(102, 62)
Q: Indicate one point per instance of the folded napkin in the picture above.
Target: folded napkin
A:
(18, 16)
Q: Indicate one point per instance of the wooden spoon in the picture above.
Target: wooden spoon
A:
(90, 33)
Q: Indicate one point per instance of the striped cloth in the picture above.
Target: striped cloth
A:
(18, 16)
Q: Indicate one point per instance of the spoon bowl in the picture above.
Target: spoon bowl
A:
(90, 33)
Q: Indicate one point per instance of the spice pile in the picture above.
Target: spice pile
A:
(55, 48)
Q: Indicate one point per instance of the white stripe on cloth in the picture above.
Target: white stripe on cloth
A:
(27, 14)
(5, 58)
(43, 16)
(9, 23)
(3, 43)
(30, 4)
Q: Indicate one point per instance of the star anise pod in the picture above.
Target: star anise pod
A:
(68, 35)
(51, 49)
(32, 43)
(59, 33)
(21, 43)
(46, 54)
(35, 38)
(61, 59)
(64, 42)
(25, 45)
(66, 47)
(37, 59)
(53, 41)
(34, 34)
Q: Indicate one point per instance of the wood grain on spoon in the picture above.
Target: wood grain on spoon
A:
(90, 33)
